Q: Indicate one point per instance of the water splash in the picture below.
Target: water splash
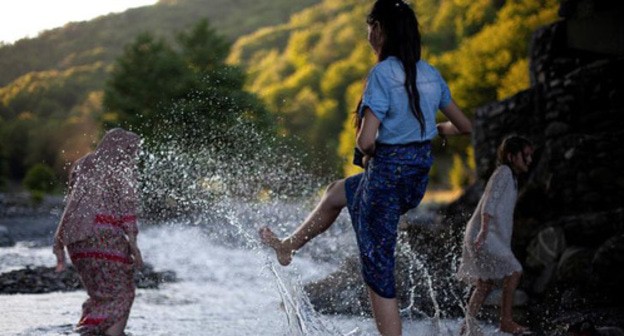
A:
(415, 266)
(228, 188)
(231, 184)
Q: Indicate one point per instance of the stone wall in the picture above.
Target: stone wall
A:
(569, 228)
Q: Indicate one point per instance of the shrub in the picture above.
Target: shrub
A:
(40, 179)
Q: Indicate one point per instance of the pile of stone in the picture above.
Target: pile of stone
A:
(36, 280)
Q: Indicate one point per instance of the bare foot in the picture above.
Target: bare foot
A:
(462, 329)
(470, 327)
(513, 328)
(284, 254)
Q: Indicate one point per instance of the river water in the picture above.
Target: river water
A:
(228, 283)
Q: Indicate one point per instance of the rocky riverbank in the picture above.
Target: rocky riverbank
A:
(37, 280)
(21, 220)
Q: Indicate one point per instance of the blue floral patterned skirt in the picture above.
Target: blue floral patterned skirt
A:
(393, 183)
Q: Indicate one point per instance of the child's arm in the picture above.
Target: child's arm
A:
(482, 235)
(368, 133)
(458, 122)
(496, 187)
(134, 250)
(129, 210)
(58, 247)
(59, 250)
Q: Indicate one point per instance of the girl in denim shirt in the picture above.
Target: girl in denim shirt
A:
(395, 125)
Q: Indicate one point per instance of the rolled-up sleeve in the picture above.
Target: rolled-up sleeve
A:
(376, 94)
(445, 97)
(500, 180)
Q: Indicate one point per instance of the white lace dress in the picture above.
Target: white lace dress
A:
(494, 260)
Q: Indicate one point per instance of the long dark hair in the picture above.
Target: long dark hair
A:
(511, 144)
(399, 26)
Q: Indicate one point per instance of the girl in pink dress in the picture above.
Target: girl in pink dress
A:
(99, 229)
(487, 254)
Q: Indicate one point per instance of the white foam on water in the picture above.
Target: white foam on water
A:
(221, 291)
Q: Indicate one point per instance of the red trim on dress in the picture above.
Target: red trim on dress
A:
(101, 256)
(114, 220)
(92, 321)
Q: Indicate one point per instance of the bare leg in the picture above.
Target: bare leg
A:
(507, 324)
(482, 289)
(386, 313)
(117, 329)
(317, 222)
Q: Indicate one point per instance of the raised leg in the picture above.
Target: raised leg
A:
(386, 314)
(317, 222)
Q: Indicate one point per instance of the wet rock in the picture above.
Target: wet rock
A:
(575, 265)
(424, 276)
(342, 292)
(6, 240)
(610, 331)
(556, 128)
(543, 253)
(592, 228)
(148, 278)
(46, 280)
(546, 247)
(495, 298)
(608, 263)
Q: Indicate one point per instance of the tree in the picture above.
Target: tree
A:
(148, 74)
(40, 178)
(202, 48)
(185, 91)
(196, 118)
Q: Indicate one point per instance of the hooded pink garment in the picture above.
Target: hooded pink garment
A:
(103, 189)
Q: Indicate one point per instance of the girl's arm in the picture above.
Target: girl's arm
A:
(129, 209)
(58, 247)
(482, 235)
(134, 250)
(500, 180)
(458, 122)
(368, 133)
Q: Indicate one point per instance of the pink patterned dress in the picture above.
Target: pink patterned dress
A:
(98, 220)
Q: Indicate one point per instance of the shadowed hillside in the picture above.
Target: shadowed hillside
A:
(52, 86)
(103, 38)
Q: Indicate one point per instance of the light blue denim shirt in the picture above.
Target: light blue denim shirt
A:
(386, 96)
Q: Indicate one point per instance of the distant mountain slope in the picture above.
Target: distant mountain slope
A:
(102, 39)
(51, 86)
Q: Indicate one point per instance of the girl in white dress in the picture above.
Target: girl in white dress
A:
(487, 254)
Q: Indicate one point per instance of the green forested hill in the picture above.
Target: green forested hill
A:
(311, 70)
(103, 38)
(308, 67)
(51, 86)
